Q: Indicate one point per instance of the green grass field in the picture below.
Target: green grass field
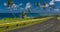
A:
(13, 23)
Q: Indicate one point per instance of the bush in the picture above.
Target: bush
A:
(7, 27)
(17, 24)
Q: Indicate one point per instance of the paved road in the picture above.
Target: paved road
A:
(51, 25)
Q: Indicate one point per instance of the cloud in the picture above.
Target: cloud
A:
(51, 2)
(28, 5)
(5, 4)
(57, 9)
(57, 0)
(14, 6)
(47, 5)
(20, 4)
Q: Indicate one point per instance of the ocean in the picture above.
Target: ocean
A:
(10, 15)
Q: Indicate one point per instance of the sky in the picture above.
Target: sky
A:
(22, 5)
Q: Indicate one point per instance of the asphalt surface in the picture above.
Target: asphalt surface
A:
(51, 25)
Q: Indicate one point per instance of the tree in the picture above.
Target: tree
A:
(30, 11)
(44, 7)
(9, 5)
(38, 5)
(23, 14)
(51, 7)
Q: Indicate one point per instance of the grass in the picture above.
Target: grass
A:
(9, 20)
(12, 23)
(58, 18)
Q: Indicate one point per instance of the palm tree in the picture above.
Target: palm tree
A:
(38, 5)
(9, 5)
(51, 7)
(44, 7)
(23, 14)
(30, 10)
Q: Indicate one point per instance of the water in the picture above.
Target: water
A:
(9, 15)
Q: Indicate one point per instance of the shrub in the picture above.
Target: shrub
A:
(7, 27)
(17, 24)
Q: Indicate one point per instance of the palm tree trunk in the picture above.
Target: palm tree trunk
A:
(47, 13)
(12, 13)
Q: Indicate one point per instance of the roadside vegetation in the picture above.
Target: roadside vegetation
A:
(16, 23)
(58, 18)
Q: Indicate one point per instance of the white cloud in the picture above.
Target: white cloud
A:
(14, 6)
(47, 5)
(5, 4)
(20, 4)
(51, 2)
(28, 5)
(56, 9)
(57, 0)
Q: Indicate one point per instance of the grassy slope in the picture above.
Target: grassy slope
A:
(58, 18)
(9, 20)
(12, 23)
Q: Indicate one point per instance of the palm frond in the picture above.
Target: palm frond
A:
(29, 10)
(44, 5)
(10, 3)
(51, 6)
(38, 4)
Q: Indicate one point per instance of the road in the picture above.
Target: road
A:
(51, 25)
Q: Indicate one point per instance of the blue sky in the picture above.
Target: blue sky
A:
(19, 5)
